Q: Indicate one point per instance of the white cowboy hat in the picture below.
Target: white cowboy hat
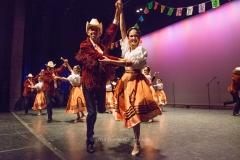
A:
(50, 64)
(236, 70)
(94, 22)
(29, 75)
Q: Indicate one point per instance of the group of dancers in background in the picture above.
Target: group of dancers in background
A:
(34, 87)
(35, 97)
(42, 91)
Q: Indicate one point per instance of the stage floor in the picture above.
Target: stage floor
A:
(179, 134)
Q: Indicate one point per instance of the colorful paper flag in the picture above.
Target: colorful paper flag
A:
(146, 10)
(201, 8)
(141, 19)
(155, 5)
(162, 8)
(136, 26)
(116, 44)
(215, 3)
(189, 10)
(170, 10)
(112, 45)
(179, 12)
(150, 5)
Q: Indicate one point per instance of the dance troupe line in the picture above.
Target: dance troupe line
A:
(132, 98)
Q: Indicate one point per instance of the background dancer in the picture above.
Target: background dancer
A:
(162, 99)
(76, 102)
(40, 101)
(28, 93)
(50, 88)
(234, 89)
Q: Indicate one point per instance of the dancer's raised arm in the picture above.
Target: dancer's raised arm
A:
(122, 26)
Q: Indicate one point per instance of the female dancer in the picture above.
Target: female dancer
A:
(160, 93)
(76, 102)
(135, 102)
(147, 74)
(110, 99)
(40, 101)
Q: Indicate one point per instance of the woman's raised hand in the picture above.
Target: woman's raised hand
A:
(119, 5)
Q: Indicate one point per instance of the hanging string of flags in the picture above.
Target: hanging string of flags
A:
(153, 5)
(115, 44)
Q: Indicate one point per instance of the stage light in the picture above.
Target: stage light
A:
(139, 10)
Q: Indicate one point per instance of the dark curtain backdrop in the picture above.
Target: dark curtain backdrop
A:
(6, 33)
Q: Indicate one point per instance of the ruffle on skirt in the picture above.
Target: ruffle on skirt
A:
(40, 101)
(154, 94)
(135, 101)
(76, 102)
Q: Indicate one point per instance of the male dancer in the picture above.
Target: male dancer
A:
(50, 86)
(94, 74)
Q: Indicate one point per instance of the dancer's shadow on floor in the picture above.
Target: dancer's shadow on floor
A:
(36, 114)
(83, 120)
(122, 148)
(146, 151)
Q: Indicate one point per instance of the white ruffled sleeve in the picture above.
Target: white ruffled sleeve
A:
(39, 86)
(74, 79)
(70, 78)
(124, 47)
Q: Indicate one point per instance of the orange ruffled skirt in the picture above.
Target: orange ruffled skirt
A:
(135, 101)
(40, 101)
(162, 100)
(76, 102)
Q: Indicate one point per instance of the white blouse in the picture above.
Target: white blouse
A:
(138, 56)
(39, 86)
(159, 86)
(74, 79)
(109, 88)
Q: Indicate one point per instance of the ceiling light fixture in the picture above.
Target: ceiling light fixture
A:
(139, 10)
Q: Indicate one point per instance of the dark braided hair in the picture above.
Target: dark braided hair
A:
(78, 68)
(148, 68)
(134, 28)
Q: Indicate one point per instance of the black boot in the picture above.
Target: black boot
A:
(90, 143)
(90, 148)
(228, 102)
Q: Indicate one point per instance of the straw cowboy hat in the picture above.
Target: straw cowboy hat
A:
(236, 70)
(29, 75)
(94, 22)
(50, 64)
